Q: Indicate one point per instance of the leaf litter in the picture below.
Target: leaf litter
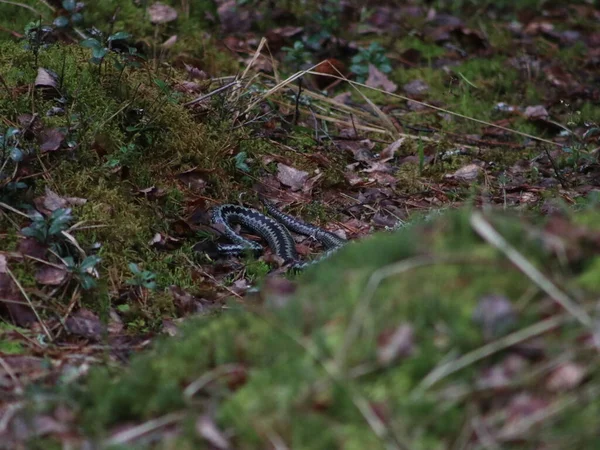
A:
(359, 172)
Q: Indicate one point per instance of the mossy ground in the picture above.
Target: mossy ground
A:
(304, 370)
(283, 366)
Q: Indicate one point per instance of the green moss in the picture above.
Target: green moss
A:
(428, 51)
(288, 351)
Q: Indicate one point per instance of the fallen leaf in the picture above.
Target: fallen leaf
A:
(311, 182)
(235, 18)
(50, 202)
(193, 179)
(361, 149)
(469, 172)
(291, 177)
(32, 247)
(387, 153)
(169, 42)
(51, 139)
(85, 323)
(566, 377)
(46, 79)
(377, 79)
(187, 303)
(395, 344)
(161, 13)
(195, 73)
(416, 88)
(494, 314)
(536, 112)
(50, 275)
(20, 313)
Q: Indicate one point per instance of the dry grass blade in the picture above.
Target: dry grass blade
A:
(23, 5)
(489, 234)
(437, 108)
(136, 432)
(37, 316)
(451, 367)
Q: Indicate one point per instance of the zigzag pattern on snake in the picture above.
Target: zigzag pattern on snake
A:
(274, 230)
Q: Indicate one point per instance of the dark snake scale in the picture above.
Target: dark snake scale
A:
(274, 230)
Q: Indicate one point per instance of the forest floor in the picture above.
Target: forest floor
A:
(474, 131)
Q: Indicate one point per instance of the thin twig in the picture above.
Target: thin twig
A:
(210, 94)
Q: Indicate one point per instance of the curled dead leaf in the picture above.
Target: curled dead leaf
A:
(388, 153)
(536, 112)
(467, 173)
(291, 177)
(378, 79)
(50, 275)
(86, 324)
(46, 79)
(51, 139)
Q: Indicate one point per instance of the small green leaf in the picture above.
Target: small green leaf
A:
(134, 268)
(119, 36)
(99, 52)
(240, 162)
(61, 22)
(11, 132)
(87, 282)
(16, 154)
(89, 263)
(90, 43)
(69, 5)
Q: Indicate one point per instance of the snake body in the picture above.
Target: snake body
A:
(274, 230)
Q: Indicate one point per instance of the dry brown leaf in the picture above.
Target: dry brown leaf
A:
(566, 377)
(291, 177)
(85, 323)
(469, 172)
(378, 79)
(536, 112)
(416, 88)
(161, 13)
(51, 140)
(388, 153)
(395, 344)
(50, 275)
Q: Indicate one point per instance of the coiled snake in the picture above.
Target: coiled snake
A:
(274, 230)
